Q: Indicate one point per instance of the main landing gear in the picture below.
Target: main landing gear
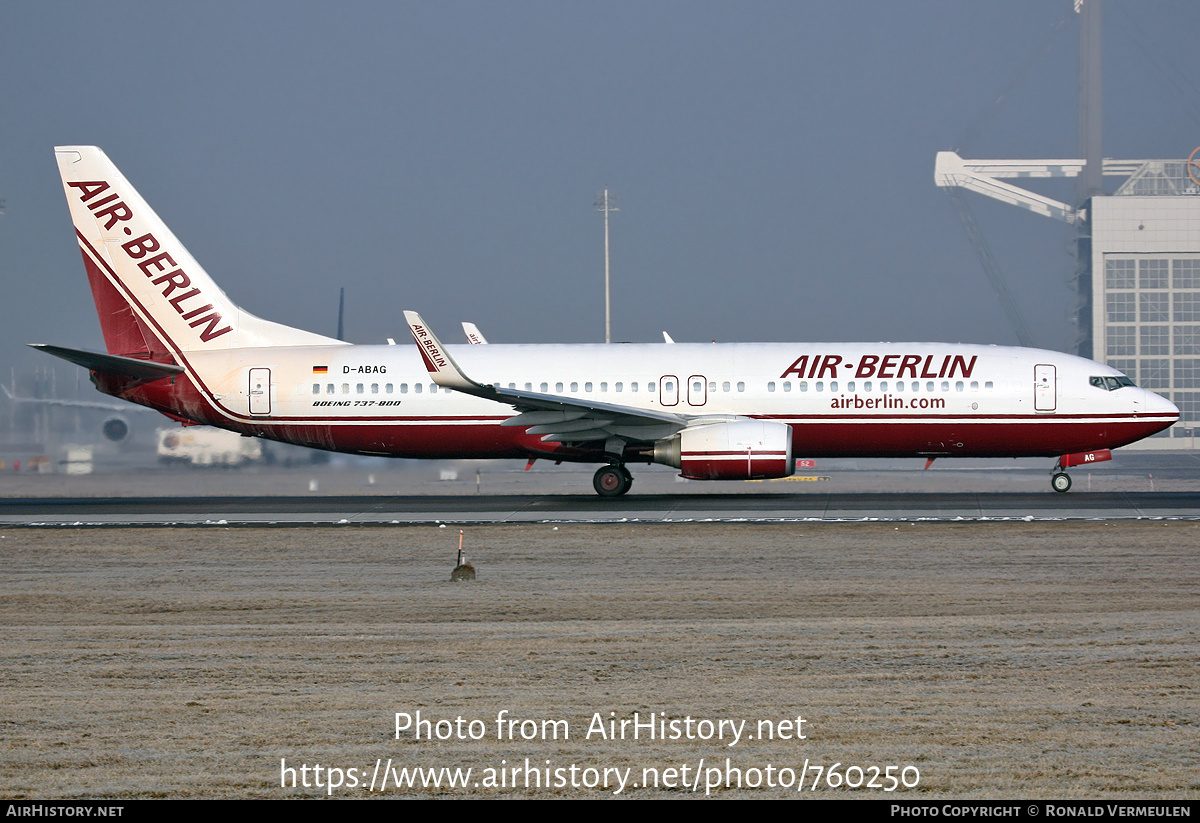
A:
(612, 480)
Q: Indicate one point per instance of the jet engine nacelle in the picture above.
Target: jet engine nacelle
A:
(115, 429)
(736, 450)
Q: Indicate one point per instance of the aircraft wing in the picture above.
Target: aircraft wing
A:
(568, 420)
(557, 418)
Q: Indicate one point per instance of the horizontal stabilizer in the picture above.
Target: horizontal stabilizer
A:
(143, 370)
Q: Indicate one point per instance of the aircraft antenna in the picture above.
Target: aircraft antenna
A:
(604, 203)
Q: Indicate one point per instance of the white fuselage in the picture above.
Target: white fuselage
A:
(884, 399)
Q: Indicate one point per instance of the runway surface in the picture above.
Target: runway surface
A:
(651, 508)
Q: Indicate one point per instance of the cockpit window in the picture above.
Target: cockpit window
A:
(1110, 383)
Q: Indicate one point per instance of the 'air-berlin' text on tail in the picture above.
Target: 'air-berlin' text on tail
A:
(153, 298)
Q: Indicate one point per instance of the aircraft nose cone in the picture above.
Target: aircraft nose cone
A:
(1157, 404)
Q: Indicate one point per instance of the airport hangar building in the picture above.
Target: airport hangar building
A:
(1145, 289)
(1138, 275)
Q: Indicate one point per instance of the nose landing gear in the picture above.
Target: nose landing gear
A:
(612, 480)
(1059, 480)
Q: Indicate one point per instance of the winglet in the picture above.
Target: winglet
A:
(474, 335)
(440, 365)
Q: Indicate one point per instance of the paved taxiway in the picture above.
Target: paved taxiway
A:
(386, 492)
(652, 508)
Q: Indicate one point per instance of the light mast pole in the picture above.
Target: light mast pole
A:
(1091, 179)
(604, 204)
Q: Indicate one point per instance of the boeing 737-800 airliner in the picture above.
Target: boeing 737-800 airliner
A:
(176, 343)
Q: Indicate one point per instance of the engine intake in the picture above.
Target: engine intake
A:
(115, 429)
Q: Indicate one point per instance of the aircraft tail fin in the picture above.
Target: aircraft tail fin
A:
(153, 298)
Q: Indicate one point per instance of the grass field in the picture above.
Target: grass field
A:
(997, 660)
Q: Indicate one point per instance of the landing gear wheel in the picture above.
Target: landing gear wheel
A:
(1061, 482)
(612, 481)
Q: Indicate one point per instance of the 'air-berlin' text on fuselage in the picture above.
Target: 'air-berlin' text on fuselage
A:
(160, 268)
(883, 367)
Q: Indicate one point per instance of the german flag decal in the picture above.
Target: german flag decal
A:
(320, 369)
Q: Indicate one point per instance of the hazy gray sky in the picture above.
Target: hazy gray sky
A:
(773, 162)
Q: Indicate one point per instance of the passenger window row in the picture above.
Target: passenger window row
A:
(726, 386)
